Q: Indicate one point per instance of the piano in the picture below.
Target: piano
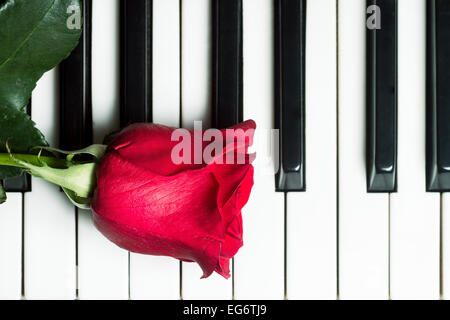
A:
(353, 147)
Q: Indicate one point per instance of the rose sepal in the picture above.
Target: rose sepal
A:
(79, 202)
(95, 150)
(2, 194)
(76, 177)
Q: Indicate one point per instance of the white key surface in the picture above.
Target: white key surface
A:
(414, 213)
(105, 67)
(311, 215)
(196, 62)
(259, 265)
(166, 62)
(196, 106)
(11, 247)
(49, 221)
(102, 266)
(363, 218)
(159, 277)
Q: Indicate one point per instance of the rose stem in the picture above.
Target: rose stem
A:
(5, 160)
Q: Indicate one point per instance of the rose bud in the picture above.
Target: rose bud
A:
(174, 192)
(158, 190)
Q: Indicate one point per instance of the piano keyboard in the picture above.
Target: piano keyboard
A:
(358, 206)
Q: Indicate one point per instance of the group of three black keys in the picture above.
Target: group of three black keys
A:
(289, 48)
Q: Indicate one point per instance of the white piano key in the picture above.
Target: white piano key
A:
(196, 62)
(363, 218)
(414, 213)
(214, 287)
(50, 250)
(166, 62)
(154, 278)
(196, 102)
(102, 266)
(259, 265)
(311, 215)
(159, 277)
(11, 247)
(105, 67)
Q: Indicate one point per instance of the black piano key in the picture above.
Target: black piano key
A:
(381, 103)
(290, 25)
(227, 63)
(22, 183)
(136, 62)
(75, 91)
(438, 96)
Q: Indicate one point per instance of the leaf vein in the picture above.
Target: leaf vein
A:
(29, 36)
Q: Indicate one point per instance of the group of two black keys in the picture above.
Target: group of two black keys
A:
(382, 90)
(289, 52)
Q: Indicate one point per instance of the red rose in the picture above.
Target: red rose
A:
(146, 202)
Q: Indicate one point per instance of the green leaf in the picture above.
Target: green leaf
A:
(20, 132)
(35, 37)
(2, 194)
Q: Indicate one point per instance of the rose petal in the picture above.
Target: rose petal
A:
(147, 204)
